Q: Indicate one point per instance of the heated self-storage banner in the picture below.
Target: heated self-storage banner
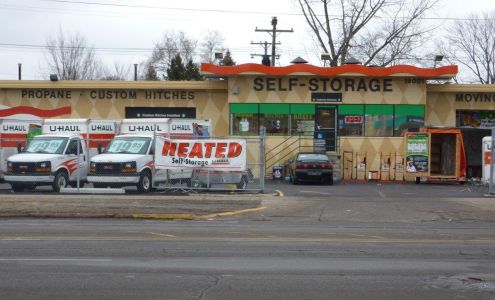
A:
(215, 154)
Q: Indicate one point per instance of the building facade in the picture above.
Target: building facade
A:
(355, 113)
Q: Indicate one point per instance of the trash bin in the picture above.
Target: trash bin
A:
(277, 172)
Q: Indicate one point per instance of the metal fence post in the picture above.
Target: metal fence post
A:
(78, 176)
(262, 159)
(492, 164)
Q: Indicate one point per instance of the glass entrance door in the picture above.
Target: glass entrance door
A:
(325, 126)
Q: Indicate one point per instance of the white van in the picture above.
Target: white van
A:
(54, 158)
(129, 158)
(12, 134)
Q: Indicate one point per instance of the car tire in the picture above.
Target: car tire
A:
(188, 182)
(18, 188)
(61, 181)
(242, 185)
(294, 179)
(145, 184)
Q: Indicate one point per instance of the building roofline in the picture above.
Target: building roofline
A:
(113, 84)
(461, 88)
(444, 72)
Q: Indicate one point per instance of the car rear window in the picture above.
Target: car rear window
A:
(312, 157)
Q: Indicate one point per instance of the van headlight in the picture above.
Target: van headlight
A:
(92, 167)
(43, 167)
(129, 167)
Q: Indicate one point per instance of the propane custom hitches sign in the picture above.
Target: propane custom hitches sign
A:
(218, 154)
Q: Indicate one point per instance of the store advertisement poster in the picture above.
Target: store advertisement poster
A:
(215, 154)
(417, 152)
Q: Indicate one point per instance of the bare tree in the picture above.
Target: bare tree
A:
(212, 42)
(70, 57)
(118, 72)
(377, 32)
(471, 43)
(171, 44)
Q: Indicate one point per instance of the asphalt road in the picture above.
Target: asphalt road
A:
(356, 241)
(242, 259)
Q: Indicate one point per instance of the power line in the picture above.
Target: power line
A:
(241, 11)
(169, 8)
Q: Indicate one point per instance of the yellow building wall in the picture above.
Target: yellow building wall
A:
(383, 154)
(210, 102)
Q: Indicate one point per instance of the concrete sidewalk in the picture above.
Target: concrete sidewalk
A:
(154, 206)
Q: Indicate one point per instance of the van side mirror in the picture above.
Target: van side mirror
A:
(99, 149)
(19, 148)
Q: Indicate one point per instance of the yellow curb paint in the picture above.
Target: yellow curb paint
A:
(165, 216)
(280, 193)
(232, 213)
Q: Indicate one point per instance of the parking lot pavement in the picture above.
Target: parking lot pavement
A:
(375, 189)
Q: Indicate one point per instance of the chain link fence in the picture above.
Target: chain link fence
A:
(127, 162)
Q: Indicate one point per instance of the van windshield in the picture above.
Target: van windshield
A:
(129, 145)
(50, 145)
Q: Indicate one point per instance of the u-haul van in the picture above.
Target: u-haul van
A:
(13, 134)
(54, 158)
(189, 128)
(129, 159)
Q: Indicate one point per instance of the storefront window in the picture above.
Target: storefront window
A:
(379, 120)
(302, 119)
(351, 120)
(244, 119)
(274, 118)
(408, 117)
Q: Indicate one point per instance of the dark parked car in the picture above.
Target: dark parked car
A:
(311, 166)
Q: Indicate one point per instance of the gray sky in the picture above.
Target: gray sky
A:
(126, 30)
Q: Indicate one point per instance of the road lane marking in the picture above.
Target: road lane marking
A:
(162, 234)
(261, 239)
(382, 195)
(314, 192)
(232, 213)
(57, 259)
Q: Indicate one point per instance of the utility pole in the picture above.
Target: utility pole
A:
(273, 32)
(264, 45)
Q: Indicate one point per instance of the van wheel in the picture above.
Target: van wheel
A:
(18, 188)
(61, 181)
(242, 185)
(74, 184)
(145, 183)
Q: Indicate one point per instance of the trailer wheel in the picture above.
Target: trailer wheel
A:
(61, 181)
(18, 188)
(145, 183)
(242, 185)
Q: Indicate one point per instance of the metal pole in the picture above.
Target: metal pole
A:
(20, 70)
(78, 164)
(135, 72)
(492, 154)
(262, 159)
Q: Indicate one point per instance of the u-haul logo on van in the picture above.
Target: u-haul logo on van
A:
(64, 128)
(14, 128)
(146, 128)
(181, 128)
(102, 127)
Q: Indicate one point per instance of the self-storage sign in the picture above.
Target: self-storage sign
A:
(217, 154)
